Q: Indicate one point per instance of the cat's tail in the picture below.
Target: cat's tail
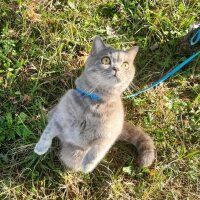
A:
(143, 143)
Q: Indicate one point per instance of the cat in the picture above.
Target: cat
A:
(88, 120)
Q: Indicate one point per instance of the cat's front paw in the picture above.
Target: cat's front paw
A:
(42, 147)
(87, 168)
(88, 163)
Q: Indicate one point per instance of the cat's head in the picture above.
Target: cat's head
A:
(109, 68)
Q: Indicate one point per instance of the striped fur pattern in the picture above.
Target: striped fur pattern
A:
(87, 129)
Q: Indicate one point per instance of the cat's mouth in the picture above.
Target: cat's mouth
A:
(116, 77)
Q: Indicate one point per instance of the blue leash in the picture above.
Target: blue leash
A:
(194, 40)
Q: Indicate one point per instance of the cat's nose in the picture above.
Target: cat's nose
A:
(116, 69)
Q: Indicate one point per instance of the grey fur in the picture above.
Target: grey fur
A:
(87, 129)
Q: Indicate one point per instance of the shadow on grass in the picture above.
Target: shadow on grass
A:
(44, 176)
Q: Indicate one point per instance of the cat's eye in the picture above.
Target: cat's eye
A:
(125, 65)
(106, 60)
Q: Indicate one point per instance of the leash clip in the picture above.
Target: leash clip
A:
(195, 38)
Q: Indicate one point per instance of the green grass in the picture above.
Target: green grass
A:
(43, 45)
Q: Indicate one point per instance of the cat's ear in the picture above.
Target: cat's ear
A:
(132, 52)
(97, 45)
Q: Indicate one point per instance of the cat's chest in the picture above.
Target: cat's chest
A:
(103, 120)
(104, 110)
(104, 115)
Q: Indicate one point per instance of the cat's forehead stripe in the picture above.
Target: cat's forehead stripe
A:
(117, 55)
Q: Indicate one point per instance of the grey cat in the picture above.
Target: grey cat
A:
(88, 120)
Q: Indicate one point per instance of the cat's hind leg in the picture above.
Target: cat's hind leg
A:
(46, 139)
(72, 156)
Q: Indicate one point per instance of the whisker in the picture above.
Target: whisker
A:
(130, 88)
(92, 89)
(106, 72)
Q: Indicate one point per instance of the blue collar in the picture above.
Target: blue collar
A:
(92, 96)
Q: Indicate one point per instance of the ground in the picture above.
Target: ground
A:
(43, 45)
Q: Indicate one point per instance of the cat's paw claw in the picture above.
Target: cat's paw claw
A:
(41, 149)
